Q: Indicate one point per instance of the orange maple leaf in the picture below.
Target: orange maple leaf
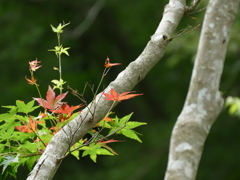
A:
(114, 96)
(108, 119)
(108, 64)
(30, 127)
(31, 81)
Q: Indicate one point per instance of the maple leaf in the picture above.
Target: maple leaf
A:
(31, 81)
(66, 109)
(52, 102)
(93, 150)
(108, 64)
(30, 127)
(108, 119)
(114, 96)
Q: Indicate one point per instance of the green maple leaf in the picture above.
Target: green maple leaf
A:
(59, 28)
(126, 127)
(93, 150)
(26, 108)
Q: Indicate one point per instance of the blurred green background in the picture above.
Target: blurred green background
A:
(121, 30)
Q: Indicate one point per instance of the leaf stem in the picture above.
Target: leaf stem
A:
(60, 62)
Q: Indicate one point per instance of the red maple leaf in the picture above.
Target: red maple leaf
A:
(114, 96)
(30, 127)
(66, 109)
(52, 102)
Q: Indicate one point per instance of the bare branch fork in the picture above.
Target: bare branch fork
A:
(49, 162)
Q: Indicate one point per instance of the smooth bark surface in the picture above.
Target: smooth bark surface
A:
(49, 162)
(204, 101)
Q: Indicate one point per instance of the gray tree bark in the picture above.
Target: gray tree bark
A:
(204, 101)
(202, 94)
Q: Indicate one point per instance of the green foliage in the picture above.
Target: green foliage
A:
(97, 145)
(59, 50)
(58, 83)
(234, 105)
(24, 137)
(60, 27)
(26, 108)
(16, 144)
(121, 30)
(8, 161)
(125, 127)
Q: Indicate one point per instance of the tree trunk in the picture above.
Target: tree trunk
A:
(204, 101)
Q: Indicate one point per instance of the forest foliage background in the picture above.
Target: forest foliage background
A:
(121, 30)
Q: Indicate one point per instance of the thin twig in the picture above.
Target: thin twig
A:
(198, 10)
(193, 6)
(183, 32)
(88, 21)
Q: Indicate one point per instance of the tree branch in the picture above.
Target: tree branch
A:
(48, 163)
(204, 102)
(88, 21)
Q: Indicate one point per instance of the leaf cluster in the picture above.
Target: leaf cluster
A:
(16, 144)
(26, 131)
(97, 144)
